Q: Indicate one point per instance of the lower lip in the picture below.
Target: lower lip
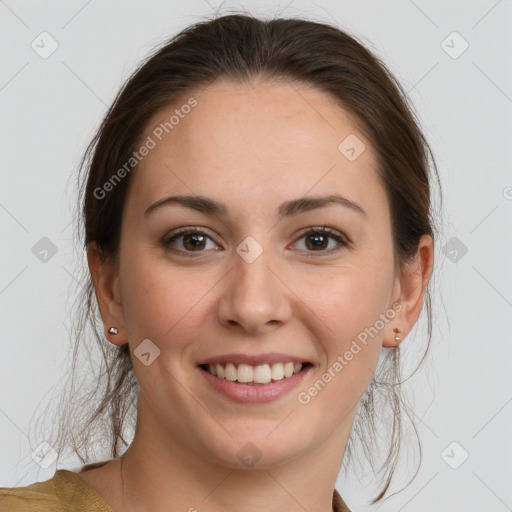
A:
(258, 393)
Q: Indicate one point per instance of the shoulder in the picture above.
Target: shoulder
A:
(40, 496)
(64, 490)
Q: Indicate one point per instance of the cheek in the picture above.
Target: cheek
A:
(161, 301)
(350, 312)
(346, 298)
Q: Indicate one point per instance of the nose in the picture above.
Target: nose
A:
(255, 299)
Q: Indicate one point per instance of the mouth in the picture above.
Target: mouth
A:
(260, 375)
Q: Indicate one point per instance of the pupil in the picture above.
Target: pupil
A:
(316, 238)
(191, 237)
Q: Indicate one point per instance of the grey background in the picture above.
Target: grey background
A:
(51, 106)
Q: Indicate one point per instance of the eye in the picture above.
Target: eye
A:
(317, 239)
(192, 240)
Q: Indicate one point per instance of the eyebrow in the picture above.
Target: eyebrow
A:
(287, 209)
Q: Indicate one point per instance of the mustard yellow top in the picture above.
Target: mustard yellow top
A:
(69, 492)
(65, 492)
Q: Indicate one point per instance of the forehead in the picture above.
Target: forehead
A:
(243, 142)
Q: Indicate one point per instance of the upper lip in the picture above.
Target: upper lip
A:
(254, 359)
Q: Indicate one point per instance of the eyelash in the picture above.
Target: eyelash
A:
(313, 231)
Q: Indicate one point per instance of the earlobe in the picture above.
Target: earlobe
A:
(393, 338)
(106, 286)
(411, 288)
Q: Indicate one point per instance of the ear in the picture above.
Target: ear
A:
(409, 293)
(105, 277)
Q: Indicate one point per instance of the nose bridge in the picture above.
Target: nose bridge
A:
(253, 276)
(254, 296)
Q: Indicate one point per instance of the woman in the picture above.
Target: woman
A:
(258, 227)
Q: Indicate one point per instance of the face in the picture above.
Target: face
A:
(255, 278)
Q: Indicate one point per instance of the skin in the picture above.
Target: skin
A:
(251, 147)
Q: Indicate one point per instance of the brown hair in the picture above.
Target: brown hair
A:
(240, 48)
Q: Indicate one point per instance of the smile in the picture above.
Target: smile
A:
(247, 384)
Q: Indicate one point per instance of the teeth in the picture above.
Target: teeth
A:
(262, 374)
(245, 373)
(230, 372)
(277, 371)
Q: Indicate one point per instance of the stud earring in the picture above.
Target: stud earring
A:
(395, 330)
(113, 330)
